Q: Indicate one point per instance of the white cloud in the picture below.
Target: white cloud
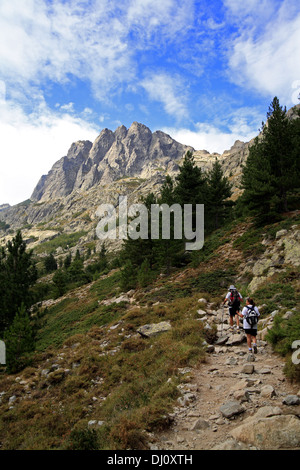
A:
(243, 126)
(30, 145)
(68, 107)
(240, 124)
(260, 9)
(267, 59)
(168, 90)
(168, 17)
(97, 42)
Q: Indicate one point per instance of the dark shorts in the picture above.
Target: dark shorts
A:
(251, 331)
(233, 310)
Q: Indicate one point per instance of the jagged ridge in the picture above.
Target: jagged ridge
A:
(126, 152)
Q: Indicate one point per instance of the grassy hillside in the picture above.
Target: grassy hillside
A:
(95, 383)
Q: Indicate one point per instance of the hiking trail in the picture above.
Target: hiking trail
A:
(235, 401)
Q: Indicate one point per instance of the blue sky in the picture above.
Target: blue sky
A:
(205, 72)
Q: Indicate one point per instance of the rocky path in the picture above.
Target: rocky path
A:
(235, 401)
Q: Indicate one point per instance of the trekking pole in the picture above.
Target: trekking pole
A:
(222, 321)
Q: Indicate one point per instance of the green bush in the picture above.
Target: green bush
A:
(214, 281)
(284, 333)
(64, 240)
(83, 439)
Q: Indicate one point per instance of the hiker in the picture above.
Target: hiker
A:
(234, 299)
(250, 314)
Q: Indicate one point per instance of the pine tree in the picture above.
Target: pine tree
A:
(140, 249)
(272, 168)
(17, 275)
(19, 341)
(218, 202)
(60, 281)
(278, 147)
(168, 251)
(68, 261)
(145, 276)
(256, 182)
(128, 276)
(50, 263)
(191, 185)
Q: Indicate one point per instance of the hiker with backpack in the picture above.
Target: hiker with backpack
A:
(234, 299)
(250, 314)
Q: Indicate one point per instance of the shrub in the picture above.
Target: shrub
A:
(83, 439)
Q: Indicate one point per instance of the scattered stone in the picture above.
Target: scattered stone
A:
(231, 408)
(247, 369)
(154, 329)
(222, 340)
(265, 371)
(253, 390)
(201, 312)
(235, 339)
(230, 444)
(239, 385)
(12, 400)
(232, 361)
(200, 425)
(267, 391)
(275, 432)
(115, 300)
(95, 423)
(291, 400)
(241, 395)
(213, 417)
(186, 399)
(268, 411)
(250, 358)
(274, 313)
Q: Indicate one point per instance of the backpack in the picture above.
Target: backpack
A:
(251, 316)
(234, 298)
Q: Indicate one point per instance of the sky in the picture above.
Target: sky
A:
(203, 71)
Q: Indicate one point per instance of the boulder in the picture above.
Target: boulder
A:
(272, 433)
(222, 340)
(291, 400)
(231, 408)
(230, 444)
(267, 391)
(154, 329)
(200, 425)
(236, 339)
(247, 369)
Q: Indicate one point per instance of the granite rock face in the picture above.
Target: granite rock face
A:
(124, 153)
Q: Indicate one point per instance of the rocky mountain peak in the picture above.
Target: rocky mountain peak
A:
(81, 147)
(133, 152)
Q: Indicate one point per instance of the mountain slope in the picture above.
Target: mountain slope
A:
(96, 381)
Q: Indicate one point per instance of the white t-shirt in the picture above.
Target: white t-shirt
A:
(246, 325)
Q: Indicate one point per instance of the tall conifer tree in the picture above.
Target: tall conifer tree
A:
(272, 168)
(218, 202)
